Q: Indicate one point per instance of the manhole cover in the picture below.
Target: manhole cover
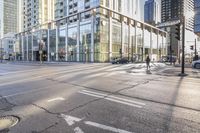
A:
(7, 122)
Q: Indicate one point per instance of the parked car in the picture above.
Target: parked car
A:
(196, 64)
(120, 61)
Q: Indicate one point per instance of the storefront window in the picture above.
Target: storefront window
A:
(52, 45)
(30, 47)
(25, 47)
(85, 43)
(116, 38)
(72, 42)
(61, 44)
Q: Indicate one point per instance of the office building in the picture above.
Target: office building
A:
(8, 16)
(37, 12)
(175, 9)
(95, 31)
(152, 12)
(197, 17)
(172, 11)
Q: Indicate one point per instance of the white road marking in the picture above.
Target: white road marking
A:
(104, 127)
(78, 130)
(111, 99)
(56, 99)
(24, 92)
(72, 120)
(118, 98)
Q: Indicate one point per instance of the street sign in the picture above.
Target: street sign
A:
(168, 23)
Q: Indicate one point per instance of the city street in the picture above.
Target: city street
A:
(99, 98)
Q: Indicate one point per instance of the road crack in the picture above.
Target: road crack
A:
(5, 105)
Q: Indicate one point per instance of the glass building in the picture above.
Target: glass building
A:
(152, 12)
(96, 32)
(197, 17)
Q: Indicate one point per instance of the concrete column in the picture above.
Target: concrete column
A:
(27, 48)
(22, 47)
(129, 40)
(32, 47)
(66, 42)
(136, 51)
(122, 37)
(151, 43)
(57, 41)
(158, 55)
(48, 45)
(110, 35)
(162, 49)
(143, 49)
(78, 38)
(92, 36)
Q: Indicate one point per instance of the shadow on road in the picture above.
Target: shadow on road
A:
(169, 120)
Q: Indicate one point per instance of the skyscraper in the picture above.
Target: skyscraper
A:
(152, 12)
(172, 11)
(8, 16)
(1, 18)
(197, 17)
(175, 9)
(37, 12)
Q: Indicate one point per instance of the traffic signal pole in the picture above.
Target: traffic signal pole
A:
(195, 50)
(183, 47)
(170, 48)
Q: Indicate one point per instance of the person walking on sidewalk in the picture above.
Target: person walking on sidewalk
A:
(148, 62)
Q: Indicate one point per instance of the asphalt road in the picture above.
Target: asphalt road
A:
(98, 98)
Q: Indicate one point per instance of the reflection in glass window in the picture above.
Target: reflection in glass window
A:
(72, 42)
(61, 44)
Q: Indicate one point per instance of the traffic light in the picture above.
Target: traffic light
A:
(177, 32)
(192, 47)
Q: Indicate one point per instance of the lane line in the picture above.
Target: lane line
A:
(104, 127)
(56, 99)
(111, 99)
(114, 97)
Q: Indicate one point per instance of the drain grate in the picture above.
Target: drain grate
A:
(8, 122)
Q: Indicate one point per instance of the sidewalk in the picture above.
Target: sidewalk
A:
(175, 71)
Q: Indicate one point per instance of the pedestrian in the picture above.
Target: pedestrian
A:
(148, 62)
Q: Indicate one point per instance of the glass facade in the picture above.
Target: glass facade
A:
(96, 36)
(197, 17)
